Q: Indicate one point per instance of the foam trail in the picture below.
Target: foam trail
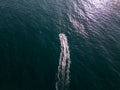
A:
(64, 65)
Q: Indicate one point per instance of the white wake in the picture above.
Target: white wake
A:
(63, 74)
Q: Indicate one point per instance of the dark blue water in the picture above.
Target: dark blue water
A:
(30, 45)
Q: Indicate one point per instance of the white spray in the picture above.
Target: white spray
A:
(63, 74)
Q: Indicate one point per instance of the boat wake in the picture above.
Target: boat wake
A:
(63, 74)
